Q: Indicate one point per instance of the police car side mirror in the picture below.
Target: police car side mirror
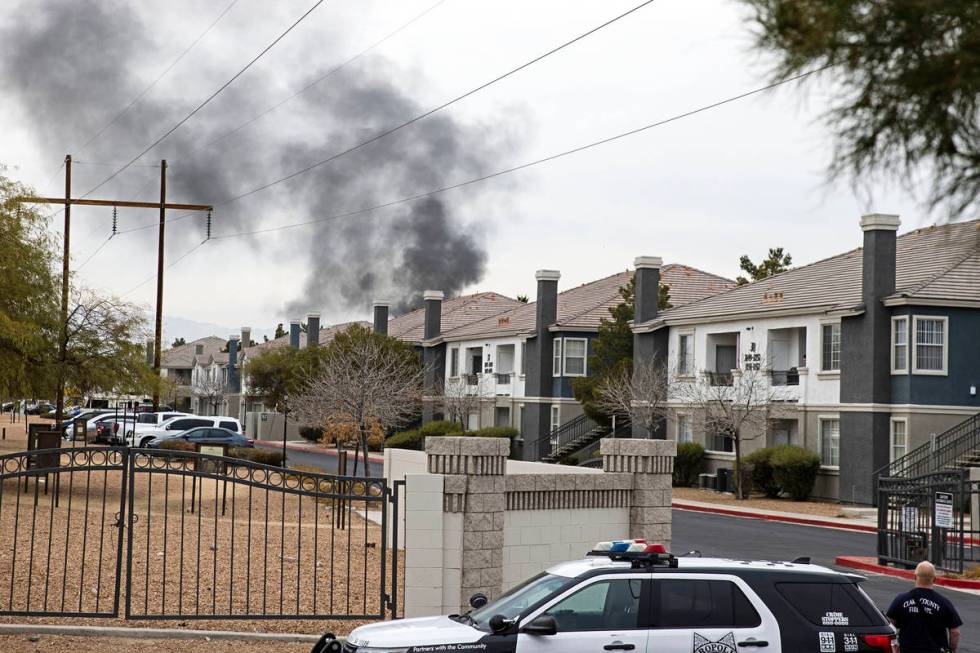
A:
(478, 600)
(543, 625)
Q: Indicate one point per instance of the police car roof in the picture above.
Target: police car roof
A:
(592, 564)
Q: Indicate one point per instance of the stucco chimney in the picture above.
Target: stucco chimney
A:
(246, 337)
(294, 333)
(233, 378)
(381, 316)
(433, 313)
(647, 296)
(313, 330)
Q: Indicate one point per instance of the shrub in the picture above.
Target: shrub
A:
(688, 464)
(494, 432)
(441, 427)
(349, 435)
(763, 480)
(263, 456)
(311, 433)
(795, 471)
(411, 439)
(176, 444)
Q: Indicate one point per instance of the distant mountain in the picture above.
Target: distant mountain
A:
(179, 327)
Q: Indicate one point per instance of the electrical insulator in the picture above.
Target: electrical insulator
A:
(208, 226)
(114, 220)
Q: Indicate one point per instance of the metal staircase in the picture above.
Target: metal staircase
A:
(957, 448)
(573, 436)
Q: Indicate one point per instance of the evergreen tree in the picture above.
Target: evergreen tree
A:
(775, 263)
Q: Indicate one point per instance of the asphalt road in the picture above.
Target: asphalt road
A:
(327, 463)
(735, 537)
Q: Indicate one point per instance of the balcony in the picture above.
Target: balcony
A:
(720, 378)
(784, 377)
(471, 379)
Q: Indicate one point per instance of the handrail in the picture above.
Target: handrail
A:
(567, 432)
(937, 454)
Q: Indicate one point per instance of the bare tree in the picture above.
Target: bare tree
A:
(459, 399)
(362, 378)
(738, 412)
(636, 394)
(211, 387)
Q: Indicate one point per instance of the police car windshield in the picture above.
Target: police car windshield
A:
(514, 602)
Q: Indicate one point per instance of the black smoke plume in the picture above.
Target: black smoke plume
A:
(71, 66)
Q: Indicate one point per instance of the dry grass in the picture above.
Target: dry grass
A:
(59, 644)
(820, 508)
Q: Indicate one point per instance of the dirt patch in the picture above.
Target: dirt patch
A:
(59, 644)
(820, 508)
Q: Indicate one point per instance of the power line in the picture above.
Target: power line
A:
(529, 164)
(205, 102)
(169, 265)
(159, 77)
(324, 77)
(93, 254)
(442, 106)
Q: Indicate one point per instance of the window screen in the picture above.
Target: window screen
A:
(831, 604)
(687, 603)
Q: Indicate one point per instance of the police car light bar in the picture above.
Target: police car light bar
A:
(638, 552)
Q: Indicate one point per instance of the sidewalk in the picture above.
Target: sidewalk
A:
(860, 524)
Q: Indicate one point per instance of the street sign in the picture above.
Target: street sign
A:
(943, 517)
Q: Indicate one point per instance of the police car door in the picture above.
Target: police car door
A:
(709, 613)
(605, 613)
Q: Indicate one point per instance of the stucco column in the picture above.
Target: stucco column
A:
(475, 487)
(651, 462)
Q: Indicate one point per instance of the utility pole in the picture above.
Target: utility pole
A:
(63, 335)
(68, 201)
(159, 316)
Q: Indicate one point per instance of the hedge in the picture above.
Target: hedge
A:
(311, 433)
(688, 463)
(494, 432)
(262, 456)
(411, 439)
(795, 471)
(441, 427)
(763, 479)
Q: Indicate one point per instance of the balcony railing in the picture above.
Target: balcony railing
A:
(503, 378)
(784, 377)
(472, 379)
(720, 378)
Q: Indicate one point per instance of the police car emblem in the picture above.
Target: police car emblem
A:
(724, 645)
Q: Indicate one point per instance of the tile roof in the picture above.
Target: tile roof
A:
(183, 356)
(456, 312)
(584, 306)
(326, 335)
(941, 262)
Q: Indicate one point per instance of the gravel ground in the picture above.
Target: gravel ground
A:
(821, 508)
(59, 644)
(198, 549)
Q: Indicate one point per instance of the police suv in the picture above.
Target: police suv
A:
(633, 596)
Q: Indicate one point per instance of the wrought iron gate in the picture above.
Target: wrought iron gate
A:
(206, 537)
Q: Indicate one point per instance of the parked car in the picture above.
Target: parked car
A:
(148, 421)
(112, 428)
(204, 435)
(38, 408)
(177, 425)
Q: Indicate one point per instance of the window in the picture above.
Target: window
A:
(603, 605)
(691, 603)
(184, 424)
(900, 345)
(231, 426)
(685, 433)
(454, 362)
(831, 604)
(685, 354)
(555, 418)
(523, 358)
(556, 357)
(930, 345)
(830, 347)
(575, 356)
(520, 598)
(900, 439)
(720, 442)
(830, 442)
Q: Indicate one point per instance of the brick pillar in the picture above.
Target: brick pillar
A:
(651, 462)
(475, 485)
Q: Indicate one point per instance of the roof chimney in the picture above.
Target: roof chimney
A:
(246, 338)
(381, 316)
(433, 313)
(878, 266)
(233, 379)
(313, 330)
(546, 310)
(294, 333)
(647, 294)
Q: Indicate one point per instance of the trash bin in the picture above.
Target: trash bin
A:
(707, 481)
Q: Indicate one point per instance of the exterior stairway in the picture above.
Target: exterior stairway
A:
(573, 436)
(954, 449)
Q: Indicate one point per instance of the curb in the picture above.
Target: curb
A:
(788, 519)
(870, 564)
(272, 444)
(150, 633)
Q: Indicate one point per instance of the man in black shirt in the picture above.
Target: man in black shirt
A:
(927, 622)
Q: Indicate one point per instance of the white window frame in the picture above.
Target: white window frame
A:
(915, 345)
(689, 371)
(522, 366)
(555, 420)
(585, 357)
(891, 437)
(454, 362)
(709, 439)
(894, 345)
(840, 340)
(556, 357)
(820, 422)
(690, 422)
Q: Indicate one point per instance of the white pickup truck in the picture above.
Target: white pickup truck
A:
(147, 421)
(178, 423)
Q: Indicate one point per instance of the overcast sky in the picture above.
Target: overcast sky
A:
(701, 191)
